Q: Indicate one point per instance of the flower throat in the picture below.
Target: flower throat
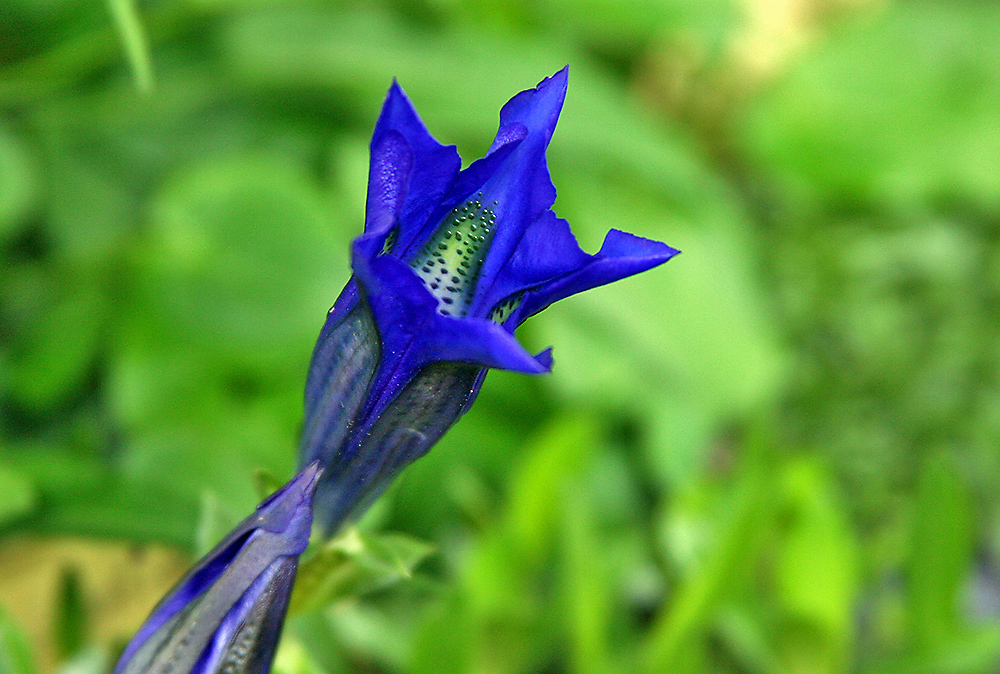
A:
(450, 262)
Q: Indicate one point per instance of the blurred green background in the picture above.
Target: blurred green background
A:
(778, 453)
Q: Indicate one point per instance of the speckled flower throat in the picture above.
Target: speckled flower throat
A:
(450, 261)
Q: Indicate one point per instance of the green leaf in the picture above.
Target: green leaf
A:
(817, 569)
(122, 509)
(974, 652)
(365, 627)
(214, 522)
(559, 454)
(91, 209)
(631, 24)
(352, 564)
(18, 494)
(941, 553)
(675, 641)
(266, 482)
(293, 658)
(741, 629)
(500, 616)
(71, 618)
(84, 496)
(94, 660)
(135, 42)
(19, 184)
(15, 653)
(589, 609)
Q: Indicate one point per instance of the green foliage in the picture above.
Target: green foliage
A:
(134, 41)
(777, 454)
(942, 545)
(71, 618)
(353, 564)
(15, 653)
(18, 494)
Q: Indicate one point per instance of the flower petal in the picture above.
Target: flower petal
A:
(434, 165)
(521, 186)
(389, 175)
(407, 317)
(547, 251)
(538, 109)
(620, 256)
(467, 183)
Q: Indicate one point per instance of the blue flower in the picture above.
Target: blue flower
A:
(450, 263)
(226, 614)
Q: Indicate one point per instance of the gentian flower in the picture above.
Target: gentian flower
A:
(226, 614)
(450, 262)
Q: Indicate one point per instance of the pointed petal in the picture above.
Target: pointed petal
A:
(388, 179)
(521, 187)
(545, 358)
(622, 255)
(513, 173)
(538, 109)
(434, 165)
(547, 251)
(479, 342)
